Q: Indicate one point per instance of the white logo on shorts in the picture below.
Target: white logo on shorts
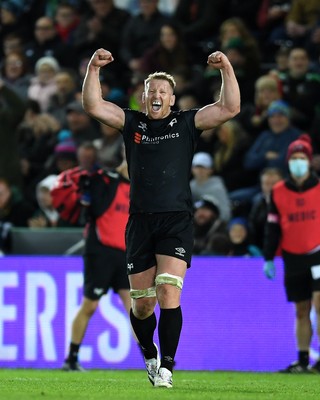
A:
(180, 251)
(130, 266)
(98, 291)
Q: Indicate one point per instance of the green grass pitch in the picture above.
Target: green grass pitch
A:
(21, 384)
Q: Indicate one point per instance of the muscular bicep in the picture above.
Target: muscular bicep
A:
(108, 113)
(211, 116)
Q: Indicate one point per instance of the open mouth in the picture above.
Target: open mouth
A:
(156, 105)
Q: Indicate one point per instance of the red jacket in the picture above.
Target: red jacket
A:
(107, 202)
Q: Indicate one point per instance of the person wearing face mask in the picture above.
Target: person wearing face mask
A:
(293, 218)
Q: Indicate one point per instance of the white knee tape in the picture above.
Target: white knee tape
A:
(140, 293)
(169, 279)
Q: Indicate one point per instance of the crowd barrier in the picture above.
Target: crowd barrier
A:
(234, 318)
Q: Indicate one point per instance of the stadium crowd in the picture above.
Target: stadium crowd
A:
(274, 48)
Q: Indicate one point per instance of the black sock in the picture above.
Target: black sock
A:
(144, 330)
(73, 352)
(170, 324)
(303, 358)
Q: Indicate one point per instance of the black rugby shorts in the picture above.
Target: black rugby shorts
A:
(168, 233)
(104, 268)
(299, 281)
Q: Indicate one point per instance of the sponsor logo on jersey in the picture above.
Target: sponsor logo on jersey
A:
(142, 138)
(145, 139)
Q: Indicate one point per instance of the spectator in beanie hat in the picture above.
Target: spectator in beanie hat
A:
(293, 220)
(207, 223)
(269, 149)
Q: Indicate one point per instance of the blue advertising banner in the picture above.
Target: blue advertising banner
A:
(234, 318)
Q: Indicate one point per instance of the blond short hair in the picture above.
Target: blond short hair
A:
(161, 75)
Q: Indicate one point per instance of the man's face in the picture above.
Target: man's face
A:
(77, 121)
(204, 215)
(158, 98)
(237, 233)
(298, 62)
(278, 122)
(44, 29)
(86, 158)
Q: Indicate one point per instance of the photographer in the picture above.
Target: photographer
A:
(102, 198)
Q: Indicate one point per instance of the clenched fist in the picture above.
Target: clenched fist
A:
(100, 58)
(218, 60)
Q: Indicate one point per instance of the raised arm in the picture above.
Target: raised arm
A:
(228, 104)
(104, 111)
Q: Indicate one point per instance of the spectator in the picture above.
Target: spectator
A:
(47, 43)
(207, 223)
(234, 30)
(81, 126)
(293, 219)
(37, 138)
(300, 87)
(14, 211)
(258, 214)
(101, 27)
(66, 91)
(243, 51)
(16, 73)
(66, 20)
(45, 216)
(270, 147)
(301, 18)
(65, 156)
(109, 147)
(281, 61)
(199, 20)
(229, 152)
(254, 115)
(271, 17)
(219, 245)
(168, 54)
(239, 235)
(87, 157)
(11, 14)
(140, 33)
(43, 83)
(205, 183)
(12, 109)
(12, 43)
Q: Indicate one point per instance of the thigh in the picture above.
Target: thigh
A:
(100, 272)
(298, 286)
(174, 238)
(140, 247)
(143, 280)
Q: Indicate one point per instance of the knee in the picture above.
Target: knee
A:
(169, 290)
(144, 307)
(89, 307)
(303, 314)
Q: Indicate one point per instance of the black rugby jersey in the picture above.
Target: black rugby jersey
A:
(159, 155)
